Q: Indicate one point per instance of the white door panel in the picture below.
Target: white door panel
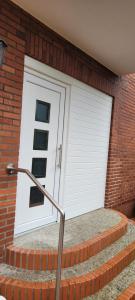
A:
(41, 135)
(87, 152)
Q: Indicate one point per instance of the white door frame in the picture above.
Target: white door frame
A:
(29, 73)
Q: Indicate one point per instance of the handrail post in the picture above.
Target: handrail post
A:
(12, 170)
(60, 252)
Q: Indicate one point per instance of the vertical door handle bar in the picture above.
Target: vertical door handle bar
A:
(60, 156)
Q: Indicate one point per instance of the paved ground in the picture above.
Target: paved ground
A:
(77, 230)
(88, 266)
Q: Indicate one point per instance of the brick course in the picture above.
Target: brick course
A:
(25, 35)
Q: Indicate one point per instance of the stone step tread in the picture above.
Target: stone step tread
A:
(117, 286)
(77, 230)
(128, 293)
(78, 270)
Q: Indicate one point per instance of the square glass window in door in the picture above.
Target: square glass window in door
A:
(42, 111)
(36, 197)
(40, 139)
(39, 167)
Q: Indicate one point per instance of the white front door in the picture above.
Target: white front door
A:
(41, 137)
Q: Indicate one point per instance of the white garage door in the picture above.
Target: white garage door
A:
(87, 152)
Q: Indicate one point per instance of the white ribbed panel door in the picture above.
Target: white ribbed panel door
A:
(87, 152)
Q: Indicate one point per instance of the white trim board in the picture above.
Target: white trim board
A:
(32, 66)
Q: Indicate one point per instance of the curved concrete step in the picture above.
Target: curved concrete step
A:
(46, 259)
(89, 277)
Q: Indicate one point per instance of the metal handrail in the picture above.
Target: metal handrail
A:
(12, 170)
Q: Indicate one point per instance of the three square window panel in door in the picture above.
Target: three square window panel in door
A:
(40, 142)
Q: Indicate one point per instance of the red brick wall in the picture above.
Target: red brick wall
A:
(120, 190)
(25, 35)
